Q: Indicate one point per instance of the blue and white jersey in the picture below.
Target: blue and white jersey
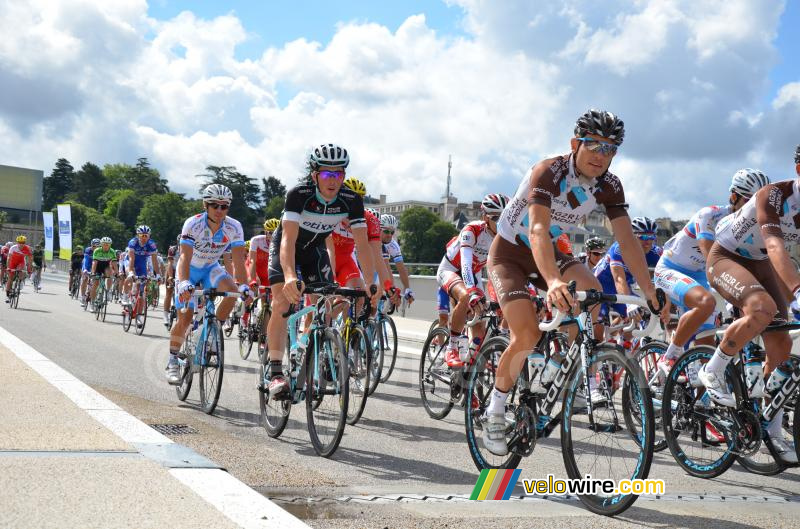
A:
(392, 251)
(613, 257)
(87, 257)
(683, 249)
(142, 251)
(208, 246)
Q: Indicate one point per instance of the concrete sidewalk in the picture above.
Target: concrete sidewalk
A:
(71, 458)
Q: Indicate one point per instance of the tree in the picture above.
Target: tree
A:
(192, 208)
(58, 184)
(272, 188)
(122, 205)
(414, 222)
(436, 237)
(141, 178)
(88, 223)
(274, 208)
(3, 218)
(165, 216)
(246, 205)
(88, 184)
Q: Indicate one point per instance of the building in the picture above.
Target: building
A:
(448, 208)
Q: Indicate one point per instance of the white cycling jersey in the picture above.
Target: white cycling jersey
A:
(209, 247)
(469, 250)
(683, 249)
(260, 243)
(391, 251)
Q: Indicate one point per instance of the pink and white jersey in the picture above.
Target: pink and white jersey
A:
(469, 250)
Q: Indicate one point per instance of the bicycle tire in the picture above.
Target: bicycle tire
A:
(376, 363)
(262, 334)
(359, 356)
(434, 373)
(640, 449)
(105, 305)
(245, 339)
(17, 291)
(388, 345)
(681, 396)
(143, 316)
(274, 413)
(212, 368)
(126, 318)
(646, 356)
(480, 382)
(187, 374)
(156, 295)
(327, 376)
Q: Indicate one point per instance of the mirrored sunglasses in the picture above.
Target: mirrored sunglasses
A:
(603, 147)
(646, 237)
(331, 175)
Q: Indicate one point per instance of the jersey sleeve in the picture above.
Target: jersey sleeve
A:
(293, 208)
(615, 256)
(152, 247)
(355, 214)
(132, 243)
(467, 237)
(187, 234)
(373, 227)
(236, 235)
(544, 185)
(769, 205)
(611, 195)
(704, 226)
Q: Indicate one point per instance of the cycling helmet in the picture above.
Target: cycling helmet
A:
(141, 230)
(643, 225)
(247, 245)
(356, 186)
(329, 155)
(600, 123)
(494, 203)
(797, 154)
(746, 182)
(95, 242)
(119, 252)
(389, 221)
(217, 193)
(22, 239)
(374, 212)
(271, 224)
(105, 240)
(595, 243)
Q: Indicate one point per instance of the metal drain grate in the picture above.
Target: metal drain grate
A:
(172, 429)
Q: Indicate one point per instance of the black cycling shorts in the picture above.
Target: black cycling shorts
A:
(101, 267)
(313, 264)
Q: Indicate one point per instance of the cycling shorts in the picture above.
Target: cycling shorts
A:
(444, 301)
(102, 266)
(16, 262)
(511, 267)
(346, 268)
(312, 264)
(448, 276)
(207, 277)
(736, 278)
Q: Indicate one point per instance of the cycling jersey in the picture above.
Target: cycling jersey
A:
(77, 259)
(17, 254)
(87, 258)
(613, 258)
(553, 183)
(260, 245)
(101, 255)
(773, 210)
(209, 247)
(469, 250)
(317, 217)
(683, 250)
(342, 235)
(392, 252)
(38, 256)
(141, 255)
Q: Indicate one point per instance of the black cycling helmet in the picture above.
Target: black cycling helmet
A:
(797, 154)
(595, 243)
(600, 123)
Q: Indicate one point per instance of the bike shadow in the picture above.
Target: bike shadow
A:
(33, 310)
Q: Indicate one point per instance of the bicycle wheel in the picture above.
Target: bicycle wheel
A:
(105, 305)
(263, 315)
(274, 413)
(245, 336)
(17, 290)
(126, 318)
(435, 375)
(694, 427)
(327, 391)
(212, 367)
(480, 382)
(141, 317)
(186, 363)
(388, 341)
(647, 356)
(156, 295)
(359, 356)
(597, 443)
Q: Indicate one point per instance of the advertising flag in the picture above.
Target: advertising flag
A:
(64, 231)
(48, 235)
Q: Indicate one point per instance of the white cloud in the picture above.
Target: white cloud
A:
(688, 77)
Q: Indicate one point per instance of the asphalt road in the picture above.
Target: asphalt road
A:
(385, 464)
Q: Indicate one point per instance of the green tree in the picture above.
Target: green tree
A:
(3, 218)
(88, 184)
(141, 178)
(122, 205)
(436, 237)
(246, 205)
(192, 207)
(165, 216)
(274, 208)
(56, 186)
(414, 223)
(272, 188)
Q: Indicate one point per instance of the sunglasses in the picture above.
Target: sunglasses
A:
(493, 218)
(646, 237)
(597, 254)
(388, 232)
(214, 205)
(331, 175)
(603, 147)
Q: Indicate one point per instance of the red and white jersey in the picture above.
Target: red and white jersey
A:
(342, 235)
(260, 245)
(469, 250)
(20, 249)
(4, 250)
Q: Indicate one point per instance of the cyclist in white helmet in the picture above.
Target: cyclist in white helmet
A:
(393, 255)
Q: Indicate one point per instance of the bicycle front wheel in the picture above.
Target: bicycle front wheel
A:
(245, 336)
(359, 356)
(593, 439)
(647, 357)
(388, 341)
(212, 366)
(274, 413)
(435, 376)
(187, 376)
(327, 391)
(141, 317)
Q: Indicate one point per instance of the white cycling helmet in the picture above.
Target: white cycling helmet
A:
(746, 182)
(141, 230)
(329, 155)
(105, 240)
(95, 242)
(374, 212)
(217, 193)
(389, 221)
(643, 225)
(494, 203)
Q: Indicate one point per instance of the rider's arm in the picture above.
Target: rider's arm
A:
(633, 255)
(769, 206)
(184, 260)
(331, 254)
(227, 262)
(290, 231)
(365, 254)
(251, 270)
(402, 271)
(238, 255)
(377, 255)
(541, 244)
(705, 247)
(781, 262)
(154, 259)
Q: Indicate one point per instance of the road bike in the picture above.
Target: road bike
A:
(16, 287)
(251, 326)
(360, 354)
(153, 293)
(382, 332)
(136, 309)
(100, 301)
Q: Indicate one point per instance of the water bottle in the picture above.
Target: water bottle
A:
(779, 376)
(550, 370)
(473, 349)
(754, 370)
(536, 361)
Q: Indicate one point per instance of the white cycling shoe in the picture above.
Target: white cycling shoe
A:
(494, 434)
(716, 390)
(785, 450)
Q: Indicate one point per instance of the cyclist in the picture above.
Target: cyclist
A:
(4, 257)
(565, 189)
(612, 272)
(258, 264)
(681, 271)
(204, 238)
(460, 274)
(19, 255)
(393, 254)
(140, 248)
(38, 265)
(750, 267)
(311, 213)
(76, 261)
(104, 262)
(595, 250)
(172, 258)
(87, 268)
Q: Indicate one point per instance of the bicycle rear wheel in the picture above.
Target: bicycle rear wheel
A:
(597, 443)
(245, 336)
(327, 391)
(435, 375)
(127, 318)
(274, 413)
(187, 375)
(359, 356)
(646, 357)
(212, 367)
(388, 341)
(141, 317)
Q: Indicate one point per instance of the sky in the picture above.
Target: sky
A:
(704, 87)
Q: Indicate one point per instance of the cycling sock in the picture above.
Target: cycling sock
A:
(673, 351)
(275, 367)
(498, 403)
(718, 362)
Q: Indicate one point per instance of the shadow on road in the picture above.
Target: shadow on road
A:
(33, 310)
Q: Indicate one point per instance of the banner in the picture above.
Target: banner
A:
(48, 234)
(64, 231)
